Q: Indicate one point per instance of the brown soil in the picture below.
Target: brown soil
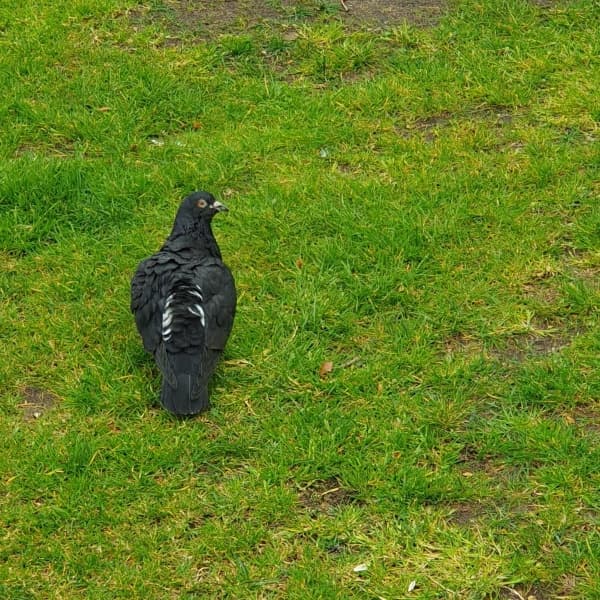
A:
(548, 339)
(387, 13)
(531, 592)
(36, 402)
(322, 496)
(471, 463)
(461, 343)
(211, 18)
(429, 128)
(465, 513)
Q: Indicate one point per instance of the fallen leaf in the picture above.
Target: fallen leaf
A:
(196, 125)
(325, 369)
(103, 109)
(412, 585)
(360, 568)
(467, 474)
(299, 263)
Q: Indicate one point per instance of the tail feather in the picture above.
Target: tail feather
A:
(188, 398)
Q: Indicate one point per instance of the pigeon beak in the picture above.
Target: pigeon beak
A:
(219, 207)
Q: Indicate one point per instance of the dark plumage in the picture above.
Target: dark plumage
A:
(183, 298)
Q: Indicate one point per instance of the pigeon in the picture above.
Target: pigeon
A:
(184, 299)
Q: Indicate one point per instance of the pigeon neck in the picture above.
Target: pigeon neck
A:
(197, 234)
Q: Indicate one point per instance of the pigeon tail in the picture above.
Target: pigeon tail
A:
(187, 398)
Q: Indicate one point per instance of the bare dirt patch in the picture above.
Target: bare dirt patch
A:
(541, 286)
(429, 127)
(588, 274)
(209, 19)
(60, 149)
(36, 402)
(546, 294)
(463, 344)
(586, 418)
(531, 592)
(326, 495)
(474, 513)
(582, 265)
(465, 513)
(470, 462)
(519, 347)
(386, 13)
(545, 338)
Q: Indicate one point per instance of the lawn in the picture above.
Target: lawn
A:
(409, 404)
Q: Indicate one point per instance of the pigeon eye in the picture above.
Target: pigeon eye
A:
(201, 204)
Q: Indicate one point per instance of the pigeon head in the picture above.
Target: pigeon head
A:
(200, 206)
(193, 222)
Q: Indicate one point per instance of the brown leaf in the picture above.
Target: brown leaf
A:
(325, 369)
(196, 125)
(299, 263)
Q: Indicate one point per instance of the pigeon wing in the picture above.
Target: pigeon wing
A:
(218, 288)
(149, 290)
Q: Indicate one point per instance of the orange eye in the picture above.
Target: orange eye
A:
(201, 204)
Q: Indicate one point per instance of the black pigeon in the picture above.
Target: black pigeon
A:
(183, 298)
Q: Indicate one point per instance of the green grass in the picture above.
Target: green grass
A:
(419, 207)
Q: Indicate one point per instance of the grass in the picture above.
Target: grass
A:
(419, 206)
